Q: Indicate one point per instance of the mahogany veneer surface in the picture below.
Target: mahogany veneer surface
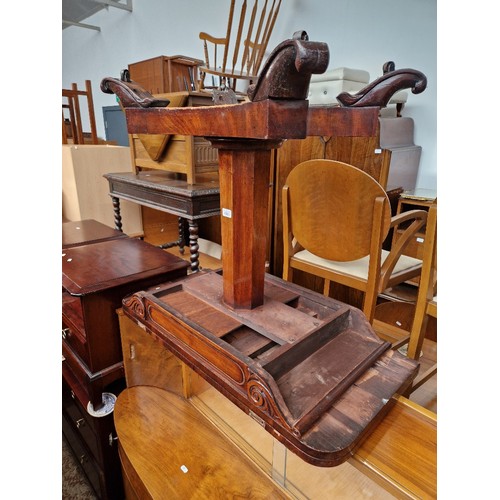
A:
(82, 232)
(107, 264)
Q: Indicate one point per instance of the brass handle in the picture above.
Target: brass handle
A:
(83, 459)
(66, 332)
(80, 423)
(73, 395)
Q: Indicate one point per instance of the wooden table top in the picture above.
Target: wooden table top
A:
(82, 232)
(161, 190)
(170, 450)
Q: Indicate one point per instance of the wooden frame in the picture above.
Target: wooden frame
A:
(72, 105)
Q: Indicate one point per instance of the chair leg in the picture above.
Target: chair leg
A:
(326, 288)
(287, 272)
(369, 303)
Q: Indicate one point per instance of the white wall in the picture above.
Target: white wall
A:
(360, 33)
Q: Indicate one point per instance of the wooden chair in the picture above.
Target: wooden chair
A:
(426, 305)
(335, 220)
(74, 121)
(243, 48)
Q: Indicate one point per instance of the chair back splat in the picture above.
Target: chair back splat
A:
(335, 220)
(243, 48)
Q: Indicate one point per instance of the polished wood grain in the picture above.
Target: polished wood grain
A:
(273, 373)
(145, 360)
(360, 150)
(169, 450)
(76, 233)
(408, 470)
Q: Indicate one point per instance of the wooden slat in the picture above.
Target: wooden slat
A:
(276, 321)
(216, 322)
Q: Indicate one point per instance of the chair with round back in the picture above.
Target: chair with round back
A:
(335, 220)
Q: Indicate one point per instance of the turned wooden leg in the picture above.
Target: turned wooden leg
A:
(193, 246)
(182, 235)
(116, 209)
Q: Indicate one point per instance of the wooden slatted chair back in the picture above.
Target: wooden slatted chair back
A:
(240, 53)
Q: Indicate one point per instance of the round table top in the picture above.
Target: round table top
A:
(170, 450)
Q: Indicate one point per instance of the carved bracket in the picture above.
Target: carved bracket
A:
(287, 72)
(380, 91)
(130, 93)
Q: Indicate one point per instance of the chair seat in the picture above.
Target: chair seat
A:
(357, 268)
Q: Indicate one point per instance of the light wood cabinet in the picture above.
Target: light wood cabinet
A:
(166, 74)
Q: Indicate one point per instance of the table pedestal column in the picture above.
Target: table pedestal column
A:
(244, 185)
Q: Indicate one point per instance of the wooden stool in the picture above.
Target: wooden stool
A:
(169, 450)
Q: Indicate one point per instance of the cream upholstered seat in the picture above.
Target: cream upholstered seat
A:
(335, 220)
(358, 268)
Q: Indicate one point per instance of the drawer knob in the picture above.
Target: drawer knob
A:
(112, 439)
(65, 332)
(80, 423)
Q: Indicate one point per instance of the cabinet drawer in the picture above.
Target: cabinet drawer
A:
(80, 420)
(83, 456)
(73, 338)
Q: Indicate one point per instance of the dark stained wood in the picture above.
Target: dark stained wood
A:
(82, 232)
(321, 410)
(96, 276)
(163, 191)
(380, 91)
(336, 381)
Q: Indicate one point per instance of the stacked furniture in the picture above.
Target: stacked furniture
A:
(396, 131)
(100, 266)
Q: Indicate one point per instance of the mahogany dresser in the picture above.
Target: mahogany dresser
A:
(96, 276)
(83, 232)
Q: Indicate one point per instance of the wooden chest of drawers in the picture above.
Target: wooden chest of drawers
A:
(95, 279)
(83, 232)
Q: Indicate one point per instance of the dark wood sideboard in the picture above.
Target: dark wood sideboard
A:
(96, 276)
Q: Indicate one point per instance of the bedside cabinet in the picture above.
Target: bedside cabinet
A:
(95, 279)
(83, 232)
